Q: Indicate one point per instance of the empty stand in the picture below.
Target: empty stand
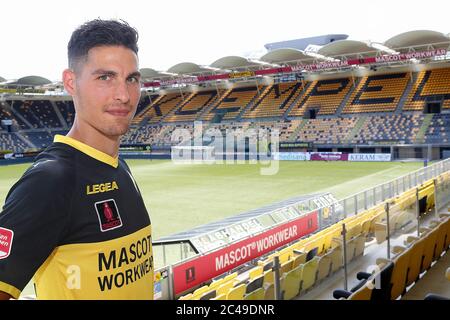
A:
(323, 95)
(192, 106)
(233, 103)
(274, 102)
(430, 86)
(377, 93)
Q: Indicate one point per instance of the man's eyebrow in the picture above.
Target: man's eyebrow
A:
(104, 72)
(136, 74)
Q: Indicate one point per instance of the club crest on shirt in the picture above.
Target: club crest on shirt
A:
(6, 238)
(108, 215)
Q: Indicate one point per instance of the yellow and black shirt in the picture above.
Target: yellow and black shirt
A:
(77, 222)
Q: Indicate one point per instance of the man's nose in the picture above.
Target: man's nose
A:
(121, 92)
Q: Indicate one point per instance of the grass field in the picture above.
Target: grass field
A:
(180, 197)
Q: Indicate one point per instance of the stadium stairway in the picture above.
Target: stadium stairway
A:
(347, 97)
(59, 115)
(294, 134)
(296, 99)
(186, 99)
(255, 101)
(356, 129)
(25, 140)
(420, 137)
(213, 104)
(18, 115)
(405, 94)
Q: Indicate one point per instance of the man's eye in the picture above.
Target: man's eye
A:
(133, 80)
(104, 77)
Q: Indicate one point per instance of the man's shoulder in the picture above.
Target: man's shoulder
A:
(53, 164)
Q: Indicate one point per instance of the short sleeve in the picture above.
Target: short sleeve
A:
(32, 222)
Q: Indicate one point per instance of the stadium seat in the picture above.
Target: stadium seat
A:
(337, 260)
(379, 289)
(416, 258)
(309, 274)
(324, 267)
(258, 294)
(255, 272)
(399, 272)
(219, 297)
(291, 283)
(430, 236)
(224, 288)
(237, 293)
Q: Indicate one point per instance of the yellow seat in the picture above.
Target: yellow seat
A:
(360, 245)
(324, 267)
(399, 273)
(255, 272)
(291, 283)
(298, 259)
(186, 297)
(440, 239)
(237, 293)
(309, 273)
(415, 260)
(337, 260)
(286, 266)
(268, 277)
(429, 248)
(363, 293)
(220, 297)
(269, 292)
(198, 292)
(258, 294)
(224, 288)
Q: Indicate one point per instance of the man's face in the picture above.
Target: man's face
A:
(107, 90)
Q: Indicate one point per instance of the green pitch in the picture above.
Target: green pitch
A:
(180, 197)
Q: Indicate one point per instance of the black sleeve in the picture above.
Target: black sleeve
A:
(35, 216)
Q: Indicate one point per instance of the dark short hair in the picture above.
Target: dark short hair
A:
(97, 33)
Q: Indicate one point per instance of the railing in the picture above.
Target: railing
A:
(342, 209)
(370, 197)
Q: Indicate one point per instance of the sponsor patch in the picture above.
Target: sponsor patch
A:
(108, 215)
(6, 239)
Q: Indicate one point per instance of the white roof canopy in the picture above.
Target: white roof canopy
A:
(347, 47)
(233, 62)
(187, 68)
(285, 56)
(418, 38)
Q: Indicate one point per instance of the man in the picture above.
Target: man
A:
(76, 219)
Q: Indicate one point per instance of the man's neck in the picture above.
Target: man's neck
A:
(96, 140)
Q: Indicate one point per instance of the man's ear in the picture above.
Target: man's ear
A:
(69, 78)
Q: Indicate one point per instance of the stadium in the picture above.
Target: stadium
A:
(318, 171)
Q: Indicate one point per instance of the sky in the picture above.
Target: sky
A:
(34, 34)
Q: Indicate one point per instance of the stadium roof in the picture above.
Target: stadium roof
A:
(31, 81)
(149, 74)
(285, 56)
(233, 62)
(187, 67)
(2, 79)
(419, 38)
(347, 47)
